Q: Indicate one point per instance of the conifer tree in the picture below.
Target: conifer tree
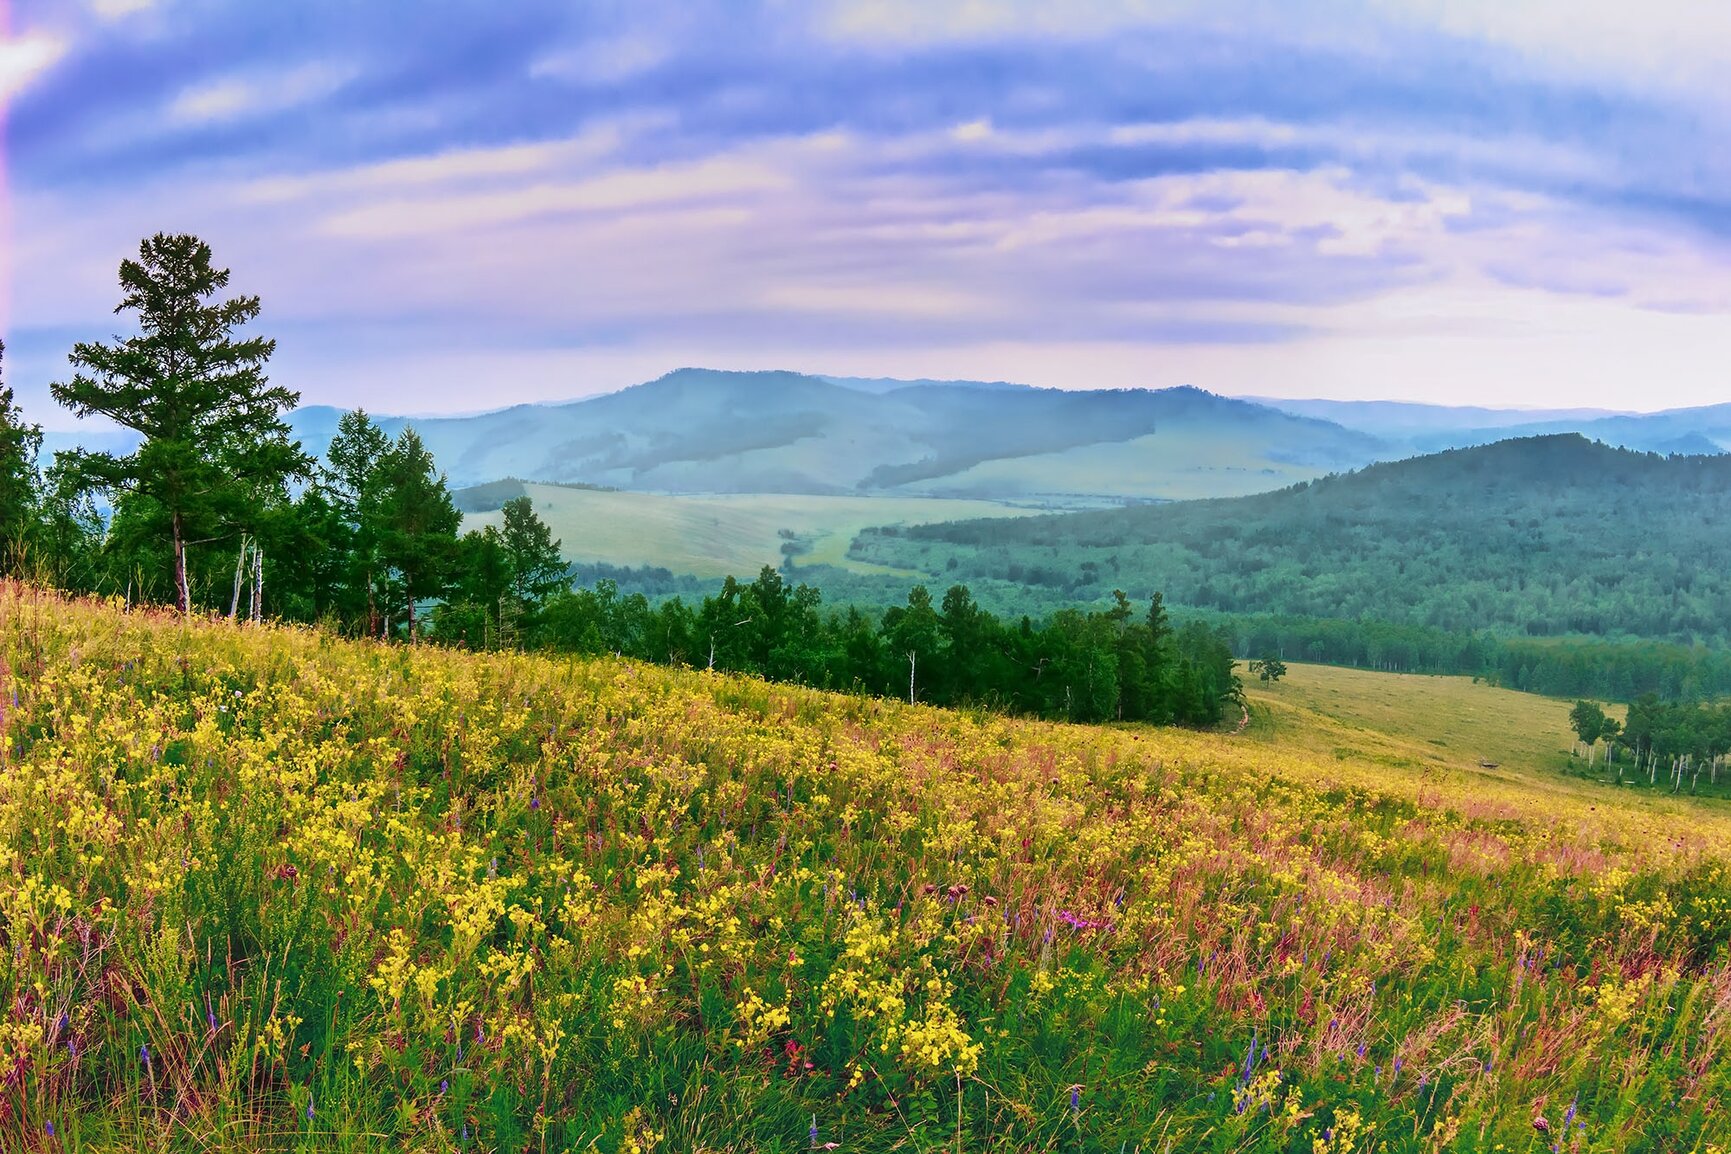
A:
(214, 441)
(19, 444)
(418, 523)
(537, 570)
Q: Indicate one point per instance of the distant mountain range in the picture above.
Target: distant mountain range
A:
(698, 430)
(1431, 428)
(701, 430)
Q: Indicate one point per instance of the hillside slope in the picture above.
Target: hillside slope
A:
(274, 891)
(1539, 536)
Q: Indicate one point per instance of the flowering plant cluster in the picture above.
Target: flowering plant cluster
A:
(264, 890)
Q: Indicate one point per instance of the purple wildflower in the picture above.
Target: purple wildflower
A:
(812, 1133)
(444, 1085)
(534, 803)
(1075, 1099)
(144, 1054)
(48, 1128)
(309, 1109)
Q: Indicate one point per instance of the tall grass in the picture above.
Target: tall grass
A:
(268, 890)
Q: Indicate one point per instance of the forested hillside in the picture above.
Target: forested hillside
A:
(1541, 537)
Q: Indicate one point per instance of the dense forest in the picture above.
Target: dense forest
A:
(1538, 537)
(1615, 670)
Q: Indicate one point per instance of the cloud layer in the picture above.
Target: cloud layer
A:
(449, 206)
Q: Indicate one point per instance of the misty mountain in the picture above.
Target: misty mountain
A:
(706, 431)
(699, 430)
(1429, 428)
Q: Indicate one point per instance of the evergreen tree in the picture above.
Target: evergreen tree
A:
(214, 442)
(532, 554)
(418, 525)
(19, 444)
(354, 479)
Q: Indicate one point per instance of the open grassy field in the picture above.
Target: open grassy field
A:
(713, 535)
(1439, 722)
(267, 890)
(1200, 463)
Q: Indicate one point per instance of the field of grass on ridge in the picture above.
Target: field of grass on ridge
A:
(717, 534)
(271, 890)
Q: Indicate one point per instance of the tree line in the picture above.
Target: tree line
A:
(1121, 663)
(1681, 740)
(368, 541)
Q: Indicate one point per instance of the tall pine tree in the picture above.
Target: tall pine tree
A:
(214, 441)
(418, 523)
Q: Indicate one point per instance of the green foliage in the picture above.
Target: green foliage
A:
(531, 554)
(1075, 666)
(1529, 538)
(1587, 719)
(1679, 739)
(418, 525)
(215, 452)
(1268, 668)
(19, 444)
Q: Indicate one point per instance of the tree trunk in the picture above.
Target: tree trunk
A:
(182, 593)
(373, 629)
(414, 626)
(239, 567)
(911, 656)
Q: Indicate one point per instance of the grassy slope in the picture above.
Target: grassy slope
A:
(713, 535)
(1194, 463)
(354, 897)
(1440, 727)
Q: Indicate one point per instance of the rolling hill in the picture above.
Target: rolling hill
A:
(707, 431)
(702, 431)
(1541, 536)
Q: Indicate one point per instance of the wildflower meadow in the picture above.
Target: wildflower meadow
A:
(265, 889)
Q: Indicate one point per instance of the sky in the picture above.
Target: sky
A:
(453, 206)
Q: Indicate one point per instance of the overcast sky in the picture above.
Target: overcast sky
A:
(455, 206)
